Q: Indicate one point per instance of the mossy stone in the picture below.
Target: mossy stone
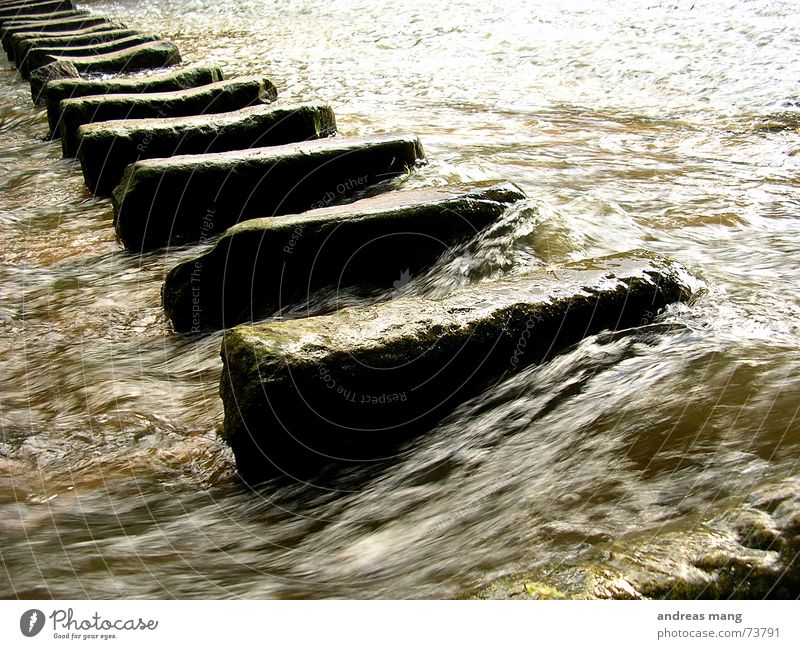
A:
(183, 79)
(220, 97)
(105, 149)
(190, 198)
(348, 387)
(260, 265)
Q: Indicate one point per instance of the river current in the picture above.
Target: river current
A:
(671, 126)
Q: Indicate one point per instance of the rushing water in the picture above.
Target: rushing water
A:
(671, 126)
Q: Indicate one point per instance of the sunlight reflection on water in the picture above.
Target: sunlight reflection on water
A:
(671, 127)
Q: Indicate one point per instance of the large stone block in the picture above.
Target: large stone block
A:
(21, 9)
(38, 56)
(15, 28)
(92, 36)
(188, 198)
(219, 97)
(40, 77)
(183, 79)
(105, 149)
(262, 265)
(145, 56)
(14, 41)
(348, 387)
(12, 21)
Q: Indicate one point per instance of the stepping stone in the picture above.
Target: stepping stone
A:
(188, 198)
(15, 41)
(23, 9)
(41, 77)
(57, 91)
(260, 265)
(10, 21)
(219, 97)
(49, 26)
(106, 148)
(17, 4)
(9, 26)
(23, 46)
(347, 388)
(39, 56)
(146, 56)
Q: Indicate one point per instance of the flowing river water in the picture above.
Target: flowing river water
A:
(671, 126)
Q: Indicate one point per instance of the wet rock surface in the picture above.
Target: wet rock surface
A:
(41, 77)
(106, 148)
(145, 56)
(23, 19)
(220, 97)
(15, 28)
(16, 42)
(346, 388)
(745, 551)
(184, 79)
(39, 56)
(50, 43)
(259, 265)
(188, 198)
(24, 9)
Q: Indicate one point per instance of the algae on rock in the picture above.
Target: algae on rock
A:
(261, 265)
(742, 552)
(347, 387)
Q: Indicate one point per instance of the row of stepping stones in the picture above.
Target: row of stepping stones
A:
(189, 157)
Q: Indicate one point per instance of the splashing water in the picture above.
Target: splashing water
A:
(671, 127)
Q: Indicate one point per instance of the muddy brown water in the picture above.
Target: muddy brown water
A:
(671, 126)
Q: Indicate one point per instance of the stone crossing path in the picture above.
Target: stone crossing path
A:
(189, 157)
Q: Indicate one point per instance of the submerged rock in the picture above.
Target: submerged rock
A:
(743, 552)
(193, 77)
(220, 97)
(145, 56)
(346, 388)
(38, 56)
(52, 72)
(106, 148)
(188, 198)
(785, 120)
(262, 264)
(95, 36)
